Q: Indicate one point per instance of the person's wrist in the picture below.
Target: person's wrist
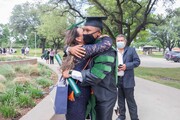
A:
(69, 50)
(70, 73)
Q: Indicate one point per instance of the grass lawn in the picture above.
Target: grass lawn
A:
(166, 76)
(157, 54)
(33, 52)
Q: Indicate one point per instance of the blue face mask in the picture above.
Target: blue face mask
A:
(120, 44)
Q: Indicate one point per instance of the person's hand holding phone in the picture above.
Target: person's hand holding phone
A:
(122, 67)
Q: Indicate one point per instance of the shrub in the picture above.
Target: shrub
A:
(8, 111)
(35, 92)
(20, 88)
(7, 71)
(8, 96)
(17, 68)
(2, 87)
(44, 82)
(24, 69)
(44, 71)
(21, 80)
(19, 91)
(2, 79)
(24, 100)
(34, 71)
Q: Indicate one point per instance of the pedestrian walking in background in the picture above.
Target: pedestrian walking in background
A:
(23, 51)
(51, 55)
(47, 56)
(27, 51)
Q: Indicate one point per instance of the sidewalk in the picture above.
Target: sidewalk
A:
(154, 101)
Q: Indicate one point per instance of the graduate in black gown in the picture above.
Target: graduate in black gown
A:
(77, 105)
(101, 72)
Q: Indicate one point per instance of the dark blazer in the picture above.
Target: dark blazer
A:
(131, 59)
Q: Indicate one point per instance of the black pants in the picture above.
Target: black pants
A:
(128, 95)
(51, 59)
(104, 110)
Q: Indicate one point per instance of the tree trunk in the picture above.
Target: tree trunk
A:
(178, 43)
(164, 50)
(43, 43)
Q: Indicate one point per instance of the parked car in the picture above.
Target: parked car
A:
(176, 57)
(168, 55)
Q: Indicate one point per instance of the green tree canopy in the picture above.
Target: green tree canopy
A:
(168, 33)
(127, 17)
(24, 20)
(4, 35)
(53, 27)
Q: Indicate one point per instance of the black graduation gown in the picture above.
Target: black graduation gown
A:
(103, 83)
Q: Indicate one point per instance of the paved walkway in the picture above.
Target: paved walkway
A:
(155, 102)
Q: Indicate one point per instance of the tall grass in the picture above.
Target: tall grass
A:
(8, 111)
(7, 71)
(44, 82)
(25, 100)
(20, 86)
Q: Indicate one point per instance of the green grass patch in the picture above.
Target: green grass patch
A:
(7, 71)
(157, 55)
(44, 71)
(8, 97)
(44, 82)
(35, 92)
(166, 76)
(8, 111)
(32, 52)
(25, 100)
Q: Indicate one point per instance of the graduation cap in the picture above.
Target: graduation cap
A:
(95, 21)
(74, 25)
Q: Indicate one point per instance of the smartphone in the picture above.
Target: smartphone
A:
(120, 65)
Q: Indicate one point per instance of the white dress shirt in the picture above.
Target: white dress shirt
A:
(120, 61)
(76, 75)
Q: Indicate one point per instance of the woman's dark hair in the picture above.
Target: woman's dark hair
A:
(70, 40)
(71, 36)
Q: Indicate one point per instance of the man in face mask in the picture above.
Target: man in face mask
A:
(92, 31)
(90, 34)
(127, 61)
(100, 74)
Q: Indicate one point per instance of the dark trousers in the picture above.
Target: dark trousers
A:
(128, 95)
(51, 59)
(104, 110)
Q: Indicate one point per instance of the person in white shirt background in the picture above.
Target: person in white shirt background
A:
(127, 60)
